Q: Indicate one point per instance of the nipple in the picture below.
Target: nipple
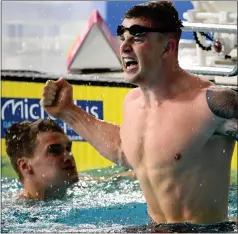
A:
(177, 156)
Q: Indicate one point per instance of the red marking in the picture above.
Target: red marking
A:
(218, 46)
(95, 18)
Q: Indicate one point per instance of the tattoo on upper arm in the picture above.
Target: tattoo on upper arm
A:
(223, 102)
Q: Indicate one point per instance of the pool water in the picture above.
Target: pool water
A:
(116, 205)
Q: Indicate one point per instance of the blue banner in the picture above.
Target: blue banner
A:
(21, 109)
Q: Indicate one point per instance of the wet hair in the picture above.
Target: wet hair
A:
(162, 14)
(21, 139)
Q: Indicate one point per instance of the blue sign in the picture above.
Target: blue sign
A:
(15, 110)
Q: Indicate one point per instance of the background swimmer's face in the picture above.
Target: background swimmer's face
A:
(53, 165)
(141, 56)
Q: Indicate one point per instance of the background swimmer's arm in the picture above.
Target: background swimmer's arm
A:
(129, 174)
(223, 102)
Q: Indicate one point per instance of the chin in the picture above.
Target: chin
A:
(133, 78)
(70, 180)
(74, 179)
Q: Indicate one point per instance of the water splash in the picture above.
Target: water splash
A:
(111, 206)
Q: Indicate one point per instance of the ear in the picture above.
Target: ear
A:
(24, 166)
(170, 47)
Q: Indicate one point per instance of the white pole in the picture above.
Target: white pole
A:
(201, 56)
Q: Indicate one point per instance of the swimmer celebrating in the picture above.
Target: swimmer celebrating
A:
(178, 131)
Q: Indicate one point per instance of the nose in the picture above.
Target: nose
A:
(125, 47)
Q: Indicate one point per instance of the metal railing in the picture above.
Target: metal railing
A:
(202, 27)
(221, 28)
(212, 71)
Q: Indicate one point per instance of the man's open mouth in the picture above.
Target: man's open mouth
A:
(130, 63)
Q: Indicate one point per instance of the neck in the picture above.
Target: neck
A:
(167, 84)
(33, 191)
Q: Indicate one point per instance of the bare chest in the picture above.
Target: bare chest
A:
(165, 134)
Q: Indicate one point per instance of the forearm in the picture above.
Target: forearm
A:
(103, 136)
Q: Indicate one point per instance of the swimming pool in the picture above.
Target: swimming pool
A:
(113, 206)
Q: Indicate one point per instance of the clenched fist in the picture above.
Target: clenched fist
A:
(57, 97)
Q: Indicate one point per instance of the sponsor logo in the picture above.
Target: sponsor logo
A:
(22, 109)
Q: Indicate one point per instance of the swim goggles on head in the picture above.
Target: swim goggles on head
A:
(138, 30)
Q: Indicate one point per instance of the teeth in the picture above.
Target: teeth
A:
(129, 60)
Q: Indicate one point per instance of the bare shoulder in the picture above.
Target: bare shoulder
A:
(197, 94)
(196, 90)
(132, 95)
(196, 85)
(201, 83)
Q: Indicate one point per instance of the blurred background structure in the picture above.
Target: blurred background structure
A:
(37, 35)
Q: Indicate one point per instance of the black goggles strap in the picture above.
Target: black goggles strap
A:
(135, 30)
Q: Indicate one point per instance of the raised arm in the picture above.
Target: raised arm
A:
(223, 102)
(104, 137)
